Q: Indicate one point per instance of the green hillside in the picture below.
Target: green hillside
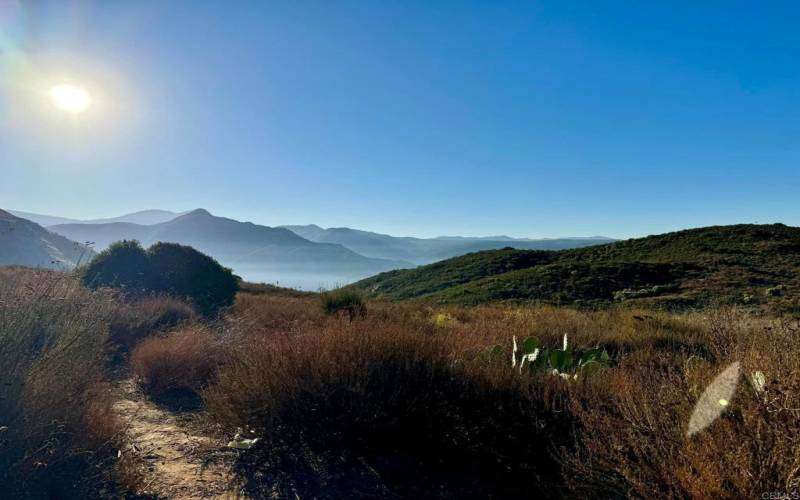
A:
(751, 264)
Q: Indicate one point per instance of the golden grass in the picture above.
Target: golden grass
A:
(137, 319)
(364, 400)
(58, 433)
(186, 358)
(381, 403)
(401, 402)
(58, 429)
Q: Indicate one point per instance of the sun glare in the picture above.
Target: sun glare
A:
(70, 98)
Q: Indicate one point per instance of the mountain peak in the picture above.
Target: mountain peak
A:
(198, 212)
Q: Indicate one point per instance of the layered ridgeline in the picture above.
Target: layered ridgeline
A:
(141, 217)
(25, 243)
(755, 264)
(427, 250)
(257, 252)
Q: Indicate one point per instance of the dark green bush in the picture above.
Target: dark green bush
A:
(124, 264)
(344, 300)
(166, 268)
(182, 271)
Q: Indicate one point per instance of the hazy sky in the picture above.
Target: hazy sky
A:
(420, 118)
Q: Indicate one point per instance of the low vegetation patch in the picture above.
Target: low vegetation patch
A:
(350, 302)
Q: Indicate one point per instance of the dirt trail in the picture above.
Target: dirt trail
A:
(177, 460)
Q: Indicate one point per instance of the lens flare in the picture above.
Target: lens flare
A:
(714, 399)
(70, 98)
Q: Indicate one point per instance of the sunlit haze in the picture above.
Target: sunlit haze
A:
(532, 119)
(70, 98)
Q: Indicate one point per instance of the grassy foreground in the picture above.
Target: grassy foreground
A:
(60, 345)
(401, 401)
(56, 430)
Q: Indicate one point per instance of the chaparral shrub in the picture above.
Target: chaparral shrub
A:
(182, 271)
(165, 268)
(124, 265)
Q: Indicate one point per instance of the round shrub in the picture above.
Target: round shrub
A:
(165, 268)
(124, 264)
(182, 271)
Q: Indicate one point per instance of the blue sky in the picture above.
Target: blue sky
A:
(537, 119)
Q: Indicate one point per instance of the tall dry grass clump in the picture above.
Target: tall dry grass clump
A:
(139, 318)
(55, 419)
(185, 359)
(347, 301)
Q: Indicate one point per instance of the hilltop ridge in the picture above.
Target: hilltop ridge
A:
(746, 263)
(427, 250)
(144, 217)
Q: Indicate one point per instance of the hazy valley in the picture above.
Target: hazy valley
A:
(305, 257)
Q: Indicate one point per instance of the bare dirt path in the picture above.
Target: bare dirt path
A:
(176, 459)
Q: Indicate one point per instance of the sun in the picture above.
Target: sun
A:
(70, 98)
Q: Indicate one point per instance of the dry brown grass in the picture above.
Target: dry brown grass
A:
(643, 406)
(185, 359)
(380, 404)
(364, 406)
(135, 320)
(58, 431)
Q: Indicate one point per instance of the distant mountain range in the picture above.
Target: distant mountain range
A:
(755, 265)
(301, 256)
(145, 217)
(25, 243)
(746, 264)
(426, 250)
(239, 245)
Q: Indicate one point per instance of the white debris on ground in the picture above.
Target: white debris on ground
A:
(175, 458)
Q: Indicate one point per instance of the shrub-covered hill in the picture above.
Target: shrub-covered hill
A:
(755, 264)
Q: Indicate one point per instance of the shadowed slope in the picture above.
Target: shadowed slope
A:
(25, 243)
(753, 264)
